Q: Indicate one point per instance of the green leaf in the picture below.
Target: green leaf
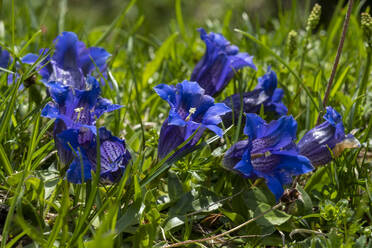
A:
(174, 222)
(234, 217)
(304, 204)
(258, 195)
(275, 217)
(339, 82)
(132, 213)
(174, 186)
(318, 180)
(160, 55)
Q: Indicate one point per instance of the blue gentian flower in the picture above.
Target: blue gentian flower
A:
(190, 109)
(4, 58)
(329, 135)
(71, 62)
(269, 153)
(114, 155)
(219, 64)
(75, 109)
(266, 93)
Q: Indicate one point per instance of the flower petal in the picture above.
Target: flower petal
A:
(167, 93)
(279, 133)
(66, 51)
(245, 166)
(103, 106)
(170, 137)
(214, 113)
(50, 111)
(92, 57)
(29, 58)
(175, 119)
(268, 82)
(275, 186)
(333, 117)
(190, 95)
(241, 60)
(4, 58)
(254, 126)
(74, 172)
(219, 63)
(235, 154)
(59, 92)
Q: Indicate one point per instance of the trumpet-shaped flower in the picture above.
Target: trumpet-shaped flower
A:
(329, 135)
(190, 109)
(71, 62)
(269, 153)
(266, 93)
(219, 64)
(75, 109)
(114, 156)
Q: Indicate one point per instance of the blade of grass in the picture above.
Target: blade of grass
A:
(4, 124)
(31, 231)
(19, 190)
(33, 37)
(62, 14)
(113, 25)
(179, 18)
(61, 215)
(15, 240)
(5, 161)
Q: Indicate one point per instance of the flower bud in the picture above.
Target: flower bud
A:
(292, 43)
(314, 18)
(366, 23)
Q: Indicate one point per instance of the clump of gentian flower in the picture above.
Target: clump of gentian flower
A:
(191, 110)
(71, 62)
(219, 64)
(269, 153)
(266, 93)
(318, 143)
(75, 109)
(113, 160)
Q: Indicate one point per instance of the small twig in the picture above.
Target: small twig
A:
(337, 59)
(225, 233)
(214, 203)
(250, 236)
(283, 237)
(304, 231)
(163, 234)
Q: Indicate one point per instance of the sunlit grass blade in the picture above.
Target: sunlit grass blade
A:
(118, 19)
(5, 161)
